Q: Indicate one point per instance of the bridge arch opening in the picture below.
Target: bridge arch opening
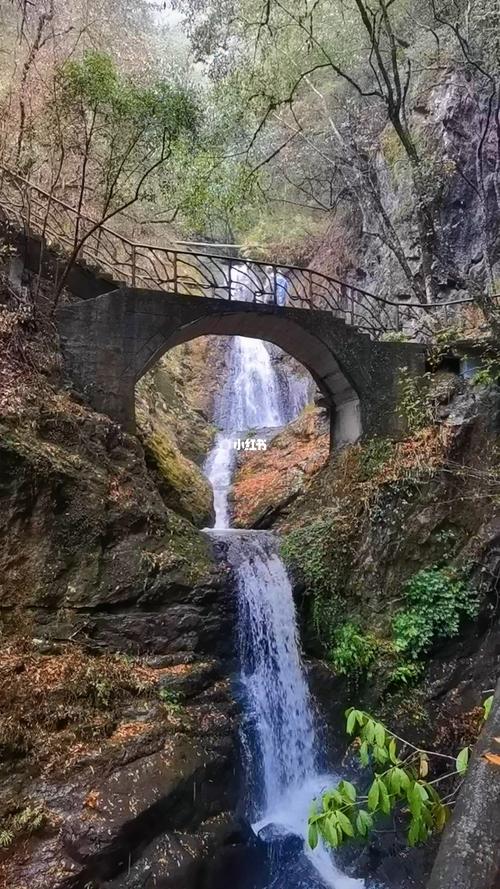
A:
(308, 349)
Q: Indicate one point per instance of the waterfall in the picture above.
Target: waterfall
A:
(250, 399)
(253, 397)
(278, 734)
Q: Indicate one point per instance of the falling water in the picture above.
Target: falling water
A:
(278, 732)
(253, 397)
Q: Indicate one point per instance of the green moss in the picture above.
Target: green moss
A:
(183, 487)
(320, 554)
(187, 550)
(392, 149)
(48, 458)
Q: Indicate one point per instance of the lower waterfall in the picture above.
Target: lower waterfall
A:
(278, 723)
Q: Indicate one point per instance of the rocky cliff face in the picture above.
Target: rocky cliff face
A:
(394, 538)
(266, 482)
(116, 726)
(448, 115)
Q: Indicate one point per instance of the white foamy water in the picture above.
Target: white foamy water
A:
(278, 731)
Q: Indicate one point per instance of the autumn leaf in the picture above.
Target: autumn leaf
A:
(492, 758)
(424, 765)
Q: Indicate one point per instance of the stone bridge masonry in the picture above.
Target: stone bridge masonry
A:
(110, 341)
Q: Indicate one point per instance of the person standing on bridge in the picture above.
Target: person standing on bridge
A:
(281, 288)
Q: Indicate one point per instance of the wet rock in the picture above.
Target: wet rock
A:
(267, 482)
(92, 560)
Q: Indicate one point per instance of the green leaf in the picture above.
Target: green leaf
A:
(423, 832)
(404, 779)
(345, 824)
(393, 781)
(369, 731)
(380, 734)
(415, 800)
(331, 833)
(373, 796)
(363, 754)
(487, 706)
(380, 754)
(364, 822)
(385, 802)
(313, 836)
(392, 751)
(348, 790)
(423, 792)
(462, 761)
(427, 817)
(440, 814)
(361, 826)
(414, 831)
(352, 720)
(332, 799)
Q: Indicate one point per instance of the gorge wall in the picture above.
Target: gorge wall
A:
(117, 725)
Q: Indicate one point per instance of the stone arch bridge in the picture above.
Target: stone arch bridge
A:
(139, 300)
(111, 340)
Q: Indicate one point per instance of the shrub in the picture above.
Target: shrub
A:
(354, 651)
(439, 599)
(489, 372)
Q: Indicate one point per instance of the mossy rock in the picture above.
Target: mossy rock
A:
(181, 483)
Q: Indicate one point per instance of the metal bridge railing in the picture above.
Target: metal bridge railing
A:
(198, 273)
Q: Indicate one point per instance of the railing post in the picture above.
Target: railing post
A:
(275, 287)
(175, 272)
(134, 261)
(229, 279)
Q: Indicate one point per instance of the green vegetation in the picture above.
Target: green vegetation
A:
(489, 372)
(172, 700)
(26, 821)
(353, 651)
(439, 600)
(415, 401)
(373, 455)
(398, 781)
(321, 554)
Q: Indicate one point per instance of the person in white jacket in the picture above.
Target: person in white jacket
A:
(281, 289)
